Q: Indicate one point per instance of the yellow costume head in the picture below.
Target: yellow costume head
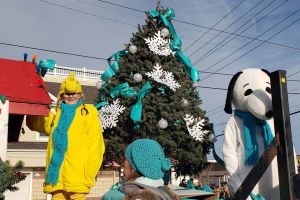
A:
(70, 85)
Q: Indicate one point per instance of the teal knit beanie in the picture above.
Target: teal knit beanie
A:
(147, 157)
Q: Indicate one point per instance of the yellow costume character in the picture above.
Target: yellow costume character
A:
(76, 146)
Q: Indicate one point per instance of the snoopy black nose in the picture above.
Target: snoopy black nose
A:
(269, 114)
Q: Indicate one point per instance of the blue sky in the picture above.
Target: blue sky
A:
(98, 29)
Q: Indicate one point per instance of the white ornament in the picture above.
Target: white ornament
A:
(162, 123)
(164, 32)
(159, 45)
(132, 49)
(194, 126)
(99, 84)
(195, 85)
(109, 114)
(137, 77)
(212, 138)
(184, 102)
(163, 77)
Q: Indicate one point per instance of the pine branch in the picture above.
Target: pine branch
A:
(151, 22)
(10, 175)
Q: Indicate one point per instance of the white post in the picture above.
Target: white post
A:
(84, 71)
(4, 113)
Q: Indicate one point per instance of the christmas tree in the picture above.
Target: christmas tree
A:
(149, 92)
(9, 176)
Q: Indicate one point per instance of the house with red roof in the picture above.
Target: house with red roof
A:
(30, 146)
(22, 92)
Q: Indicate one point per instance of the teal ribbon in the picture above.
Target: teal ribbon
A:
(256, 197)
(114, 67)
(99, 105)
(49, 64)
(136, 111)
(249, 129)
(176, 43)
(123, 90)
(44, 65)
(192, 71)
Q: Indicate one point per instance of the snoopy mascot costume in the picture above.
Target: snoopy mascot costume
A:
(249, 131)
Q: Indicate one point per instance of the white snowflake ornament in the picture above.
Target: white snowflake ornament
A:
(109, 114)
(195, 127)
(164, 77)
(159, 45)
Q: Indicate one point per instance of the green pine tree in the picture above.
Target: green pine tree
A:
(187, 154)
(9, 176)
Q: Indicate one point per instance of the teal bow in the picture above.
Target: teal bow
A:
(176, 43)
(114, 67)
(44, 65)
(123, 90)
(136, 111)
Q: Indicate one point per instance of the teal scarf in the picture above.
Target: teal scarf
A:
(250, 122)
(60, 141)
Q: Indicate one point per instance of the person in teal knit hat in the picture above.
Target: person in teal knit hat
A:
(144, 167)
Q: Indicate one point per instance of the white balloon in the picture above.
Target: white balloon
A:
(132, 49)
(99, 84)
(164, 32)
(162, 123)
(137, 77)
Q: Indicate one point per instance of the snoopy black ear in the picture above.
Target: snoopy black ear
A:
(228, 106)
(266, 71)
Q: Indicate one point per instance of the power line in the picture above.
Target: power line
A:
(252, 41)
(293, 73)
(214, 49)
(213, 26)
(206, 27)
(52, 51)
(225, 89)
(97, 5)
(87, 13)
(98, 58)
(108, 8)
(295, 112)
(214, 109)
(243, 36)
(214, 88)
(119, 5)
(228, 27)
(228, 74)
(94, 15)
